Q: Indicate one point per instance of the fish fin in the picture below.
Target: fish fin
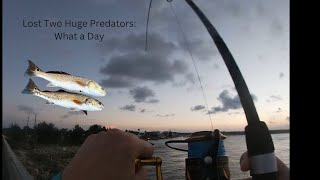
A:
(58, 72)
(51, 85)
(81, 83)
(32, 69)
(77, 102)
(85, 112)
(31, 88)
(50, 103)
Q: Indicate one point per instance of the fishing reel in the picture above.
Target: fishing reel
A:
(207, 158)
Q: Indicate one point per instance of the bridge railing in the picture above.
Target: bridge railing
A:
(13, 169)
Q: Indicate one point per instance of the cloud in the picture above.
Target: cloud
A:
(117, 81)
(197, 108)
(188, 78)
(136, 42)
(130, 64)
(235, 8)
(275, 98)
(26, 109)
(232, 113)
(143, 110)
(71, 113)
(165, 115)
(260, 9)
(153, 101)
(276, 27)
(228, 102)
(130, 107)
(140, 94)
(136, 67)
(281, 75)
(216, 66)
(200, 49)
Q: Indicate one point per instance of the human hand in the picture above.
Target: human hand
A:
(109, 155)
(283, 170)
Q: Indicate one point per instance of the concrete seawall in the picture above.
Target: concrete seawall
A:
(12, 168)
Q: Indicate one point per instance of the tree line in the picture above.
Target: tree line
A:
(47, 133)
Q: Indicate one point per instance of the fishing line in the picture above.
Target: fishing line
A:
(194, 64)
(147, 26)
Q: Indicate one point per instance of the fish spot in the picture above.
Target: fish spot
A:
(77, 102)
(80, 83)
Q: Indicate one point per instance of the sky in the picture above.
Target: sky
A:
(157, 88)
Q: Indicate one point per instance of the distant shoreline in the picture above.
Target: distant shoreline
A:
(230, 133)
(279, 131)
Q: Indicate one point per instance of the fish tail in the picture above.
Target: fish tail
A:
(33, 69)
(31, 88)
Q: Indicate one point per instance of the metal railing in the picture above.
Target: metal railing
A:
(12, 168)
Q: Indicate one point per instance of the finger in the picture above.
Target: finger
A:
(244, 162)
(283, 170)
(141, 173)
(114, 132)
(139, 147)
(143, 148)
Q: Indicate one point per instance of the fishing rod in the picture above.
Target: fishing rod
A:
(205, 148)
(146, 43)
(258, 138)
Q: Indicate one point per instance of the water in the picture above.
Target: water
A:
(173, 161)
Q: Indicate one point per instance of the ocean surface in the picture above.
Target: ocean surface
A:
(173, 161)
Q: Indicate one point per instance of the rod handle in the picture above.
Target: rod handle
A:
(263, 162)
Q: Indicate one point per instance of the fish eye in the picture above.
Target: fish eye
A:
(37, 69)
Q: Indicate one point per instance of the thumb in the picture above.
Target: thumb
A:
(244, 162)
(141, 174)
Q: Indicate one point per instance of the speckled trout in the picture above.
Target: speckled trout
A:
(67, 81)
(72, 101)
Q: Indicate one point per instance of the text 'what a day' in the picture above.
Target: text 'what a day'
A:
(75, 36)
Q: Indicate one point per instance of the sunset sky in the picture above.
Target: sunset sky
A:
(157, 89)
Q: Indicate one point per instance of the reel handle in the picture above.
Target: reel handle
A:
(152, 161)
